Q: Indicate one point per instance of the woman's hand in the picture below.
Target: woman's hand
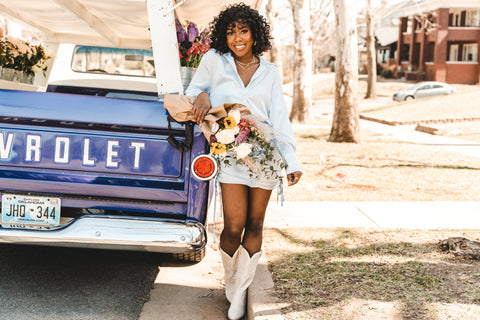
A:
(201, 106)
(293, 177)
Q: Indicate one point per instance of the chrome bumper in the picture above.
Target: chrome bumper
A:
(116, 233)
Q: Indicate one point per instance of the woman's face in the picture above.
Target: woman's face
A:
(240, 40)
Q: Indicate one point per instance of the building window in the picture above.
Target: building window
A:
(409, 26)
(473, 18)
(457, 18)
(470, 52)
(429, 52)
(453, 52)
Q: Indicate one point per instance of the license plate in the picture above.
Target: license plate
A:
(30, 211)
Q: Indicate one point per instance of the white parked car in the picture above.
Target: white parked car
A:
(423, 89)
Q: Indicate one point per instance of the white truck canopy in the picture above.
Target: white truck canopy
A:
(115, 23)
(138, 24)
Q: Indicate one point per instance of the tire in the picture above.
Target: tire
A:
(194, 257)
(408, 98)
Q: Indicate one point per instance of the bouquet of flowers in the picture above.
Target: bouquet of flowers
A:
(19, 55)
(241, 140)
(192, 45)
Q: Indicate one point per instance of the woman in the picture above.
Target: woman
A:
(233, 72)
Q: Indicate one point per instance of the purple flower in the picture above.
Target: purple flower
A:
(181, 34)
(204, 36)
(192, 32)
(242, 136)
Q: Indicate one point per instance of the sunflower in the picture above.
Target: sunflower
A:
(229, 122)
(217, 148)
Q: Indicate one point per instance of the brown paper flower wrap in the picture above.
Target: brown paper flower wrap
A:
(180, 108)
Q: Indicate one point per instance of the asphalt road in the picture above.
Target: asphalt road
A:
(51, 283)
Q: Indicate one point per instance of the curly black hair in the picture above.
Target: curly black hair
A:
(240, 13)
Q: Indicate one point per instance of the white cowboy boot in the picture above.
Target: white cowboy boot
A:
(230, 268)
(245, 272)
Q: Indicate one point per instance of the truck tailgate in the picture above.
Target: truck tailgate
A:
(89, 146)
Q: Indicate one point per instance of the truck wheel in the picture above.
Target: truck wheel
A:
(194, 257)
(408, 98)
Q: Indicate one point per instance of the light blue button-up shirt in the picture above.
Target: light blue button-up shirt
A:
(217, 76)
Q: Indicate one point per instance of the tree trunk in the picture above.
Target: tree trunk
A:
(371, 56)
(275, 53)
(346, 123)
(302, 69)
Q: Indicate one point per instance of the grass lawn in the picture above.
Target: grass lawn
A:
(365, 274)
(379, 169)
(460, 105)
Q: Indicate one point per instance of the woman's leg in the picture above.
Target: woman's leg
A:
(250, 251)
(235, 198)
(257, 206)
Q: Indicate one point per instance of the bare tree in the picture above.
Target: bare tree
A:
(302, 70)
(275, 53)
(346, 123)
(323, 30)
(371, 54)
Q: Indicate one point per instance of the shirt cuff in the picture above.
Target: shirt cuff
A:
(193, 92)
(292, 163)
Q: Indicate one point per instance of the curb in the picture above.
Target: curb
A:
(261, 303)
(427, 129)
(399, 123)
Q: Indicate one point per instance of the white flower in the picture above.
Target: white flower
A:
(236, 130)
(235, 114)
(243, 150)
(215, 127)
(225, 136)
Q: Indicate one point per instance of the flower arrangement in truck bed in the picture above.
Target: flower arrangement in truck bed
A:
(20, 55)
(192, 45)
(242, 140)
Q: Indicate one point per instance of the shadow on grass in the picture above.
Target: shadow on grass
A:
(329, 273)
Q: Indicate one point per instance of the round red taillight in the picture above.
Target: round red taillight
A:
(204, 167)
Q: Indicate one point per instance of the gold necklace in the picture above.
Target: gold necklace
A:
(246, 66)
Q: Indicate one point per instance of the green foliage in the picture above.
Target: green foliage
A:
(387, 74)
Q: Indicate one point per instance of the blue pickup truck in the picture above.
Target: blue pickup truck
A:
(95, 160)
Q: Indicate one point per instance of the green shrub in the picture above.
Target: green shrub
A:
(387, 74)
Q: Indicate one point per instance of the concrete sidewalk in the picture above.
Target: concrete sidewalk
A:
(375, 214)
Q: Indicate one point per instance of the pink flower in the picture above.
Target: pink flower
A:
(243, 123)
(242, 136)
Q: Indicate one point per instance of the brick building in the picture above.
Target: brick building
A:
(439, 40)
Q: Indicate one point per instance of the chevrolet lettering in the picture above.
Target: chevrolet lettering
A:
(52, 150)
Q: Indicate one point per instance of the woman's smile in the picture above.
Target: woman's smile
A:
(240, 41)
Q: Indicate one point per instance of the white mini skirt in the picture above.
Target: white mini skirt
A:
(240, 174)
